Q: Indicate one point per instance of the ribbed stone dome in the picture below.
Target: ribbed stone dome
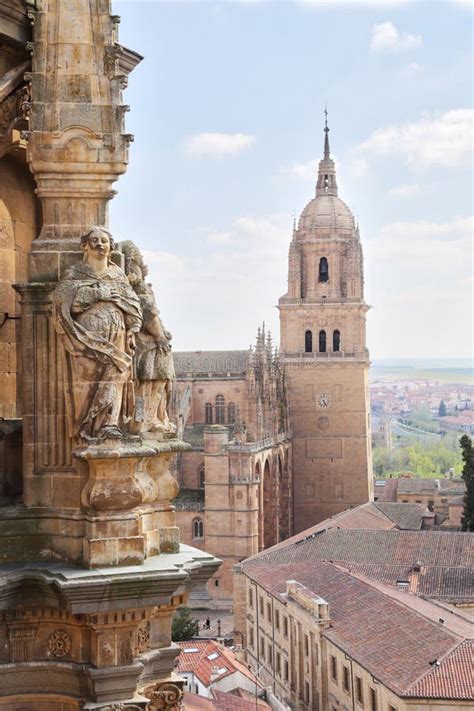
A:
(327, 212)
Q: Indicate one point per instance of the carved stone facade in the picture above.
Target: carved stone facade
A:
(92, 565)
(236, 483)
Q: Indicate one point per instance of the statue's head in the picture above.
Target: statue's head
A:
(135, 268)
(97, 243)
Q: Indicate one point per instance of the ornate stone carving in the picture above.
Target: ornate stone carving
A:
(154, 362)
(164, 697)
(14, 107)
(125, 650)
(22, 641)
(97, 316)
(143, 638)
(111, 54)
(59, 644)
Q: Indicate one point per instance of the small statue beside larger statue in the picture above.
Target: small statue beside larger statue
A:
(154, 368)
(117, 355)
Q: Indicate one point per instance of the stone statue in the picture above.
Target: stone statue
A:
(154, 369)
(97, 316)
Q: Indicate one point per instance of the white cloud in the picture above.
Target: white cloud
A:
(405, 190)
(216, 237)
(425, 245)
(444, 140)
(301, 170)
(386, 37)
(419, 279)
(218, 144)
(218, 296)
(414, 68)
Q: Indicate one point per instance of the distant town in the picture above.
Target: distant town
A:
(418, 415)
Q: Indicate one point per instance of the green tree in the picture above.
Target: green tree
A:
(442, 409)
(467, 519)
(184, 626)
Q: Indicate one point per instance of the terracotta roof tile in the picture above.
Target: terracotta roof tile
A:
(238, 701)
(198, 662)
(386, 491)
(452, 679)
(364, 618)
(392, 547)
(405, 516)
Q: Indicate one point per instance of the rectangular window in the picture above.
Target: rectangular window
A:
(373, 699)
(251, 638)
(306, 645)
(269, 654)
(306, 692)
(333, 668)
(316, 654)
(250, 597)
(261, 605)
(345, 679)
(359, 691)
(262, 647)
(285, 626)
(278, 663)
(277, 620)
(285, 670)
(269, 612)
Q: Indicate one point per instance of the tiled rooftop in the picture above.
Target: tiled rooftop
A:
(430, 486)
(385, 489)
(388, 555)
(405, 516)
(202, 658)
(222, 701)
(452, 679)
(451, 584)
(364, 616)
(392, 547)
(368, 516)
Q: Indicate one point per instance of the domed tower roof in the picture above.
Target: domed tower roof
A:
(326, 213)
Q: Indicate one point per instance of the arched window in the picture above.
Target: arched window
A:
(323, 269)
(198, 528)
(208, 413)
(308, 342)
(220, 409)
(201, 476)
(336, 341)
(322, 341)
(231, 413)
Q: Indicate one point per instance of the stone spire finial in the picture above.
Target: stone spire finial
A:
(326, 184)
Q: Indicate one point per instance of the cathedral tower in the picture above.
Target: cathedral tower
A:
(322, 336)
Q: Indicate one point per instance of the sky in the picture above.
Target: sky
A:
(227, 113)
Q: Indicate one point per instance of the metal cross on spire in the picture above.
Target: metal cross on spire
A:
(326, 132)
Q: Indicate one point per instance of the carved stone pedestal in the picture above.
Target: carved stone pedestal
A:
(127, 495)
(95, 637)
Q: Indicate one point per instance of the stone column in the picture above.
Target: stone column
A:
(77, 145)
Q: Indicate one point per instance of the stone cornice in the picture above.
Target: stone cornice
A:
(82, 591)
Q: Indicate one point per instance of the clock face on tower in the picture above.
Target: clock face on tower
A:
(323, 400)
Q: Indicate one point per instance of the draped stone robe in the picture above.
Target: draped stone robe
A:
(93, 313)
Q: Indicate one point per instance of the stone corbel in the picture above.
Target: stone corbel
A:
(166, 696)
